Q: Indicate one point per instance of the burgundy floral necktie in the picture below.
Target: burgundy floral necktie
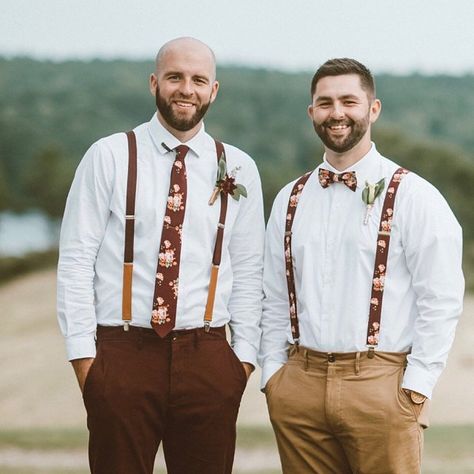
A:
(326, 178)
(165, 298)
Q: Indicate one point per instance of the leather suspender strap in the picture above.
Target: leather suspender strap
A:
(129, 230)
(290, 277)
(381, 257)
(216, 258)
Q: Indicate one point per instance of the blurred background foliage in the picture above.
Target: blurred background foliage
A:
(50, 113)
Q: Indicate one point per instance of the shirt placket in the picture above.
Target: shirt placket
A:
(328, 268)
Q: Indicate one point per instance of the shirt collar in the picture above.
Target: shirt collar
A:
(160, 135)
(368, 168)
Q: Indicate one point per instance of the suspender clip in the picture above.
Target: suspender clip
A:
(371, 353)
(126, 326)
(207, 326)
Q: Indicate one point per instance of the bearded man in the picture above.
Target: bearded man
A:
(347, 380)
(151, 217)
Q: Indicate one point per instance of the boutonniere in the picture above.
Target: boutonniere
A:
(370, 193)
(226, 183)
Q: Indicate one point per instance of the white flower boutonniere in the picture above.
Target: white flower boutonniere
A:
(226, 183)
(370, 193)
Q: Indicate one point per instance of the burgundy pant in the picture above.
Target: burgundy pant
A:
(184, 390)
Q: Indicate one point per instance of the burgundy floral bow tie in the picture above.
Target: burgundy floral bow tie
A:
(326, 178)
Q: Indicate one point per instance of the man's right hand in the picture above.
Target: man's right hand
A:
(81, 368)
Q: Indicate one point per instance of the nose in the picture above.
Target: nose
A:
(186, 87)
(337, 111)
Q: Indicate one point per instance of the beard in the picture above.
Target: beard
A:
(341, 145)
(173, 119)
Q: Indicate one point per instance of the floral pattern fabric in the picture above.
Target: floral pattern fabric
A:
(165, 297)
(381, 254)
(381, 257)
(326, 178)
(290, 278)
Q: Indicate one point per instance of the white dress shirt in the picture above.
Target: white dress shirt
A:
(92, 240)
(334, 256)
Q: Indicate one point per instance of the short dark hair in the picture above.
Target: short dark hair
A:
(342, 66)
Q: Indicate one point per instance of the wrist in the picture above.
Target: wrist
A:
(416, 397)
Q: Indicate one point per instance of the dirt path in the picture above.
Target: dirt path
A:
(38, 389)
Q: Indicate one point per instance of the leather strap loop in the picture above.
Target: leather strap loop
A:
(129, 229)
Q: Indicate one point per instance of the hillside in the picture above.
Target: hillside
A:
(38, 388)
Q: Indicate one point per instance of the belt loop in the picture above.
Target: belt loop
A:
(357, 363)
(305, 356)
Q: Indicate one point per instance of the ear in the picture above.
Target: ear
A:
(215, 88)
(153, 84)
(310, 111)
(375, 109)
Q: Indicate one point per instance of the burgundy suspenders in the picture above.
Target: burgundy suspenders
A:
(130, 230)
(290, 276)
(380, 265)
(216, 258)
(381, 257)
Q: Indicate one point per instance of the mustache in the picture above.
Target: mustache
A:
(333, 122)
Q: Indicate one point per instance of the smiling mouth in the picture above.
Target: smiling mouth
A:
(183, 105)
(338, 129)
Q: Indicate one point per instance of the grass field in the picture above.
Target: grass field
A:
(448, 450)
(42, 417)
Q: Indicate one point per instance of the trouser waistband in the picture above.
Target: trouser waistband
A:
(344, 358)
(136, 332)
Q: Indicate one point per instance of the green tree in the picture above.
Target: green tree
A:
(47, 179)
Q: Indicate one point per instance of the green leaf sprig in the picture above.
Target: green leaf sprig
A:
(369, 194)
(226, 183)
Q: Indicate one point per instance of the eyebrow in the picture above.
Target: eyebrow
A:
(180, 73)
(327, 98)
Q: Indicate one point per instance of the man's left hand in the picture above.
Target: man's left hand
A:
(415, 397)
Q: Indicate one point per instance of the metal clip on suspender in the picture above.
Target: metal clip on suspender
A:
(381, 257)
(380, 264)
(216, 258)
(129, 237)
(129, 231)
(290, 277)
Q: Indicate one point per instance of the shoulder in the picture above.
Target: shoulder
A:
(239, 156)
(236, 157)
(283, 196)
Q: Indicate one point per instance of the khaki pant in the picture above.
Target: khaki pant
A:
(345, 414)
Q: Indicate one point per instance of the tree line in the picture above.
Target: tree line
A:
(51, 112)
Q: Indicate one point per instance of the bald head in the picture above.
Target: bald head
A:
(190, 47)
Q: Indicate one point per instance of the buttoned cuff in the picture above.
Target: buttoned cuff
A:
(419, 380)
(245, 352)
(80, 347)
(267, 371)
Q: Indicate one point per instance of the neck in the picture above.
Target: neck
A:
(342, 161)
(182, 136)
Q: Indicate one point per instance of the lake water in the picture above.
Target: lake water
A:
(23, 233)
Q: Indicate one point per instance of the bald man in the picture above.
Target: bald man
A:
(161, 248)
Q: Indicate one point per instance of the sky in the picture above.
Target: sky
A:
(397, 36)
